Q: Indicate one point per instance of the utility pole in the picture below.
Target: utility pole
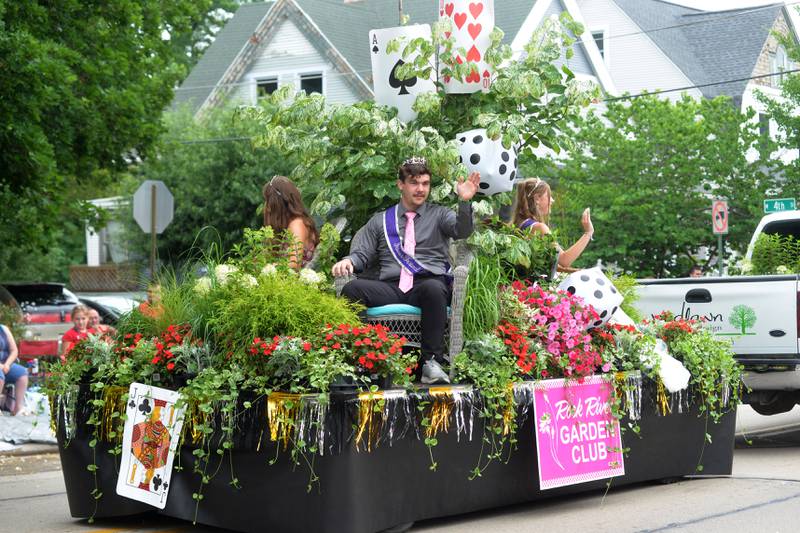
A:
(400, 9)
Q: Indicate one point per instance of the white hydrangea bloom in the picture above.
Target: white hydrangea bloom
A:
(782, 269)
(249, 281)
(203, 285)
(310, 277)
(269, 270)
(223, 272)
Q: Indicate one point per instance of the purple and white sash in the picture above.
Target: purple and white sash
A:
(527, 224)
(396, 245)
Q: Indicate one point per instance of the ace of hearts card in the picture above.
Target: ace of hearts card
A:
(150, 439)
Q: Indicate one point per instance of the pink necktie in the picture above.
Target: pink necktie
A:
(409, 243)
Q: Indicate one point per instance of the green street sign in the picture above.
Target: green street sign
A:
(776, 205)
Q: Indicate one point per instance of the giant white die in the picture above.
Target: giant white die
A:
(596, 290)
(497, 165)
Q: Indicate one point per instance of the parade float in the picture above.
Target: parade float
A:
(253, 398)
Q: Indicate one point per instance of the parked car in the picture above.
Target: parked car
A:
(46, 309)
(110, 306)
(760, 314)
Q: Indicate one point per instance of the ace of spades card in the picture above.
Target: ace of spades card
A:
(390, 90)
(152, 431)
(472, 22)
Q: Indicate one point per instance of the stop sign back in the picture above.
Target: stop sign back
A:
(143, 206)
(719, 216)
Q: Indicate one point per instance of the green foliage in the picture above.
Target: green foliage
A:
(83, 87)
(715, 373)
(492, 369)
(347, 155)
(627, 285)
(11, 317)
(775, 254)
(215, 176)
(653, 163)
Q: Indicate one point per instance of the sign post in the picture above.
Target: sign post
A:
(153, 208)
(719, 223)
(776, 205)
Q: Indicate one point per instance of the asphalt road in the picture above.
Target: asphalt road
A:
(762, 495)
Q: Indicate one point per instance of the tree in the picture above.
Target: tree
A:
(649, 168)
(347, 155)
(82, 87)
(215, 176)
(742, 317)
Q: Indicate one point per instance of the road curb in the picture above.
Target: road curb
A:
(31, 449)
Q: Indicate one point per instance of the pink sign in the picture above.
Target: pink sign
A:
(577, 437)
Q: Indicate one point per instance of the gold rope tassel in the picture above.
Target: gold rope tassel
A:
(282, 410)
(662, 402)
(441, 409)
(112, 403)
(370, 419)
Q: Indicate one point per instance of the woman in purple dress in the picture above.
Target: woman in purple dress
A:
(285, 212)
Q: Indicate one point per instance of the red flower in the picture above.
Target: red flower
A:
(307, 346)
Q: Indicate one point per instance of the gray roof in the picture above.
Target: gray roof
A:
(707, 46)
(346, 26)
(218, 57)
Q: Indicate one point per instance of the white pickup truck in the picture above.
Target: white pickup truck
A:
(760, 314)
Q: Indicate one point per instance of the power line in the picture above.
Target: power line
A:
(628, 97)
(701, 85)
(361, 73)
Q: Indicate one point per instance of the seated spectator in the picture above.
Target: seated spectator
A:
(532, 212)
(285, 212)
(10, 371)
(696, 272)
(96, 325)
(79, 331)
(152, 306)
(413, 270)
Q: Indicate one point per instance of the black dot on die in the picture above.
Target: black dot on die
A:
(460, 159)
(604, 313)
(571, 289)
(601, 281)
(484, 185)
(598, 323)
(513, 174)
(503, 169)
(613, 289)
(515, 163)
(475, 159)
(463, 140)
(477, 139)
(598, 295)
(584, 277)
(614, 310)
(505, 156)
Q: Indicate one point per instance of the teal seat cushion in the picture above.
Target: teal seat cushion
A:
(395, 309)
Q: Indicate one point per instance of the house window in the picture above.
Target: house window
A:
(311, 83)
(780, 63)
(266, 87)
(600, 38)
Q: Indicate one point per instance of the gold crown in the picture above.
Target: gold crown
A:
(415, 161)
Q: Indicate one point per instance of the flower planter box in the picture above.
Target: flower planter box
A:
(361, 491)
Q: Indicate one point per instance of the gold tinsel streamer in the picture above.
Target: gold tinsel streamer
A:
(369, 421)
(662, 402)
(441, 409)
(112, 403)
(510, 413)
(194, 420)
(282, 410)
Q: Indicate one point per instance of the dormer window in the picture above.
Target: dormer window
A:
(600, 39)
(780, 63)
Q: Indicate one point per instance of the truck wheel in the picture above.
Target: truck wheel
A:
(775, 405)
